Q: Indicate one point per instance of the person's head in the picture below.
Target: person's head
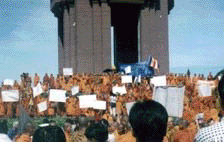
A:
(49, 134)
(67, 127)
(29, 128)
(46, 120)
(149, 121)
(221, 91)
(104, 122)
(96, 133)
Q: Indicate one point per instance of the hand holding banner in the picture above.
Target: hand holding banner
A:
(126, 79)
(9, 82)
(57, 95)
(42, 106)
(68, 71)
(158, 80)
(10, 96)
(75, 90)
(37, 90)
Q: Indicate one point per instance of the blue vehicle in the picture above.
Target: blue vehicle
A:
(141, 68)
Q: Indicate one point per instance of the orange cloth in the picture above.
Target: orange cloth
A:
(128, 137)
(24, 138)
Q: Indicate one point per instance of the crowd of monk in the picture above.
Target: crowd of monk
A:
(101, 85)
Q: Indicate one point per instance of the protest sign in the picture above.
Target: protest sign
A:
(158, 80)
(57, 95)
(127, 70)
(205, 87)
(137, 79)
(126, 79)
(119, 90)
(75, 90)
(172, 98)
(87, 101)
(67, 71)
(9, 82)
(37, 90)
(42, 106)
(10, 96)
(101, 105)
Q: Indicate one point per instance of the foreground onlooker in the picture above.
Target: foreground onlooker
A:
(149, 121)
(214, 132)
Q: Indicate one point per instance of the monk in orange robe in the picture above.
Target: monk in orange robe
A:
(36, 79)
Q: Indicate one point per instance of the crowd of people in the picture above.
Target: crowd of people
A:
(114, 123)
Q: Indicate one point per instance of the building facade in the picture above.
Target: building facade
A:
(94, 34)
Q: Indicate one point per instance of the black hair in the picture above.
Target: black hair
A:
(104, 122)
(149, 121)
(98, 132)
(45, 120)
(4, 126)
(49, 134)
(221, 90)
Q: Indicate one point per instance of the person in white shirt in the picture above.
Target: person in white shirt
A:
(213, 133)
(113, 99)
(4, 138)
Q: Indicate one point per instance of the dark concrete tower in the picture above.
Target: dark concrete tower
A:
(140, 29)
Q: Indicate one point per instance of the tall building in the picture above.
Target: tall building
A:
(94, 34)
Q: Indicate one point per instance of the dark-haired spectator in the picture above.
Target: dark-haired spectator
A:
(97, 133)
(149, 121)
(49, 134)
(3, 130)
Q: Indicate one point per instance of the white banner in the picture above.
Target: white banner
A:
(75, 90)
(129, 106)
(158, 80)
(67, 71)
(126, 79)
(37, 90)
(205, 88)
(42, 106)
(138, 79)
(101, 105)
(172, 98)
(8, 82)
(10, 96)
(57, 95)
(119, 90)
(87, 101)
(127, 69)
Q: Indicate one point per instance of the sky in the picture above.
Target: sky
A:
(196, 35)
(28, 37)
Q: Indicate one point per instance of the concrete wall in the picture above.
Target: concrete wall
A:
(154, 35)
(86, 37)
(84, 41)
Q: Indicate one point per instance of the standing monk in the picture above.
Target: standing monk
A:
(51, 82)
(36, 79)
